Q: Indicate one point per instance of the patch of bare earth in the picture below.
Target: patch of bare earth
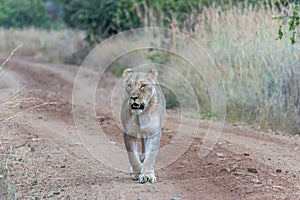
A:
(51, 162)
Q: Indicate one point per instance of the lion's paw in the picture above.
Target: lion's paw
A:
(134, 176)
(143, 178)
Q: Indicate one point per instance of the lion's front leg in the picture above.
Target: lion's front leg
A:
(131, 144)
(151, 149)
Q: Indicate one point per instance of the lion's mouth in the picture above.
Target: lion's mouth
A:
(136, 106)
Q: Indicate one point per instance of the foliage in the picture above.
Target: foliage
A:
(19, 14)
(101, 18)
(293, 22)
(171, 99)
(168, 12)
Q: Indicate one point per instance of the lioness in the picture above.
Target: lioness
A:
(142, 114)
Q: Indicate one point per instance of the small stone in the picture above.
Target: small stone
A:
(112, 142)
(50, 194)
(246, 154)
(278, 170)
(257, 181)
(75, 144)
(225, 170)
(252, 170)
(234, 167)
(277, 187)
(238, 173)
(220, 155)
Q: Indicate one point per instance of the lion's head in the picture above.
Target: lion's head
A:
(140, 88)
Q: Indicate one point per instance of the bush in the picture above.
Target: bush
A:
(101, 19)
(19, 14)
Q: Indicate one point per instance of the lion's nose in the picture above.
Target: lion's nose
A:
(134, 98)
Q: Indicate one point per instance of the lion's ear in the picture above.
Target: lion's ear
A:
(152, 74)
(126, 72)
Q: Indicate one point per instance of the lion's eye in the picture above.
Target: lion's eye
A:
(143, 86)
(128, 85)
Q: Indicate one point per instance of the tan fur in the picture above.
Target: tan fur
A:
(142, 115)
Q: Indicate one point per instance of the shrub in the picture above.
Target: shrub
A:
(19, 14)
(101, 19)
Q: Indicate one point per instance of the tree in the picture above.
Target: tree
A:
(101, 18)
(19, 14)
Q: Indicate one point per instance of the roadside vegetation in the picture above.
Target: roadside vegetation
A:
(260, 73)
(8, 110)
(43, 45)
(261, 76)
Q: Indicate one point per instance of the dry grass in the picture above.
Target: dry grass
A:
(45, 45)
(13, 144)
(12, 105)
(6, 151)
(261, 75)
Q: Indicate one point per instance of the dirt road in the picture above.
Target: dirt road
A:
(51, 161)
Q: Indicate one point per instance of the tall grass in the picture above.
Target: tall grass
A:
(45, 45)
(261, 75)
